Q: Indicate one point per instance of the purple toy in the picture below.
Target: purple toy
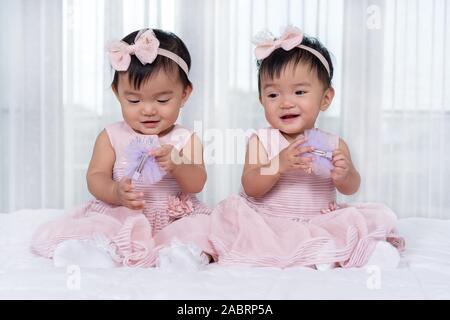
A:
(323, 144)
(140, 165)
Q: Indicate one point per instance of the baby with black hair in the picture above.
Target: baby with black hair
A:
(144, 171)
(286, 213)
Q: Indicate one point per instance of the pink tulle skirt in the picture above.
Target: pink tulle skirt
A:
(347, 236)
(127, 233)
(234, 234)
(237, 234)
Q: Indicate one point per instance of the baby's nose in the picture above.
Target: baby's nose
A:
(148, 109)
(287, 104)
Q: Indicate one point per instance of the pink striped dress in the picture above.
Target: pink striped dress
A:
(288, 226)
(131, 234)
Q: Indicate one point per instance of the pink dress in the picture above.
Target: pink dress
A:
(288, 226)
(130, 233)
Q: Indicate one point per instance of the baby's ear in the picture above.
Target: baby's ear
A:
(186, 93)
(327, 99)
(114, 89)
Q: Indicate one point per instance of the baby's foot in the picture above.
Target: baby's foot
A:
(325, 266)
(181, 256)
(83, 253)
(385, 256)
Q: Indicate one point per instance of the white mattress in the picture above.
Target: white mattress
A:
(424, 274)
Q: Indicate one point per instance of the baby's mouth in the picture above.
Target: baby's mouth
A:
(150, 123)
(289, 116)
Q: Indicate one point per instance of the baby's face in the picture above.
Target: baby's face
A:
(293, 101)
(154, 108)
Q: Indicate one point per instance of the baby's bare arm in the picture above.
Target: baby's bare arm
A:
(99, 174)
(344, 174)
(259, 174)
(190, 173)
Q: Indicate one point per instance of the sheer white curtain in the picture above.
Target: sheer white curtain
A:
(391, 105)
(395, 103)
(31, 115)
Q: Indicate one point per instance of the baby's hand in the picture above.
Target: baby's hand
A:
(168, 157)
(291, 159)
(127, 197)
(342, 166)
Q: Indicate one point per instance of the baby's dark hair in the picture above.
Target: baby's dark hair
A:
(276, 62)
(139, 73)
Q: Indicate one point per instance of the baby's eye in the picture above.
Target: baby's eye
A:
(133, 101)
(163, 100)
(300, 92)
(272, 95)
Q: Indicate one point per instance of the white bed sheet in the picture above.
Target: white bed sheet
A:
(424, 272)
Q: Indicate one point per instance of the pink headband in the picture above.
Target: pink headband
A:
(291, 38)
(145, 48)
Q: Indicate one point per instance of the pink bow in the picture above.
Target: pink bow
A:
(145, 48)
(291, 38)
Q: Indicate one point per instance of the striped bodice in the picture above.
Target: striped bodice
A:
(297, 194)
(155, 195)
